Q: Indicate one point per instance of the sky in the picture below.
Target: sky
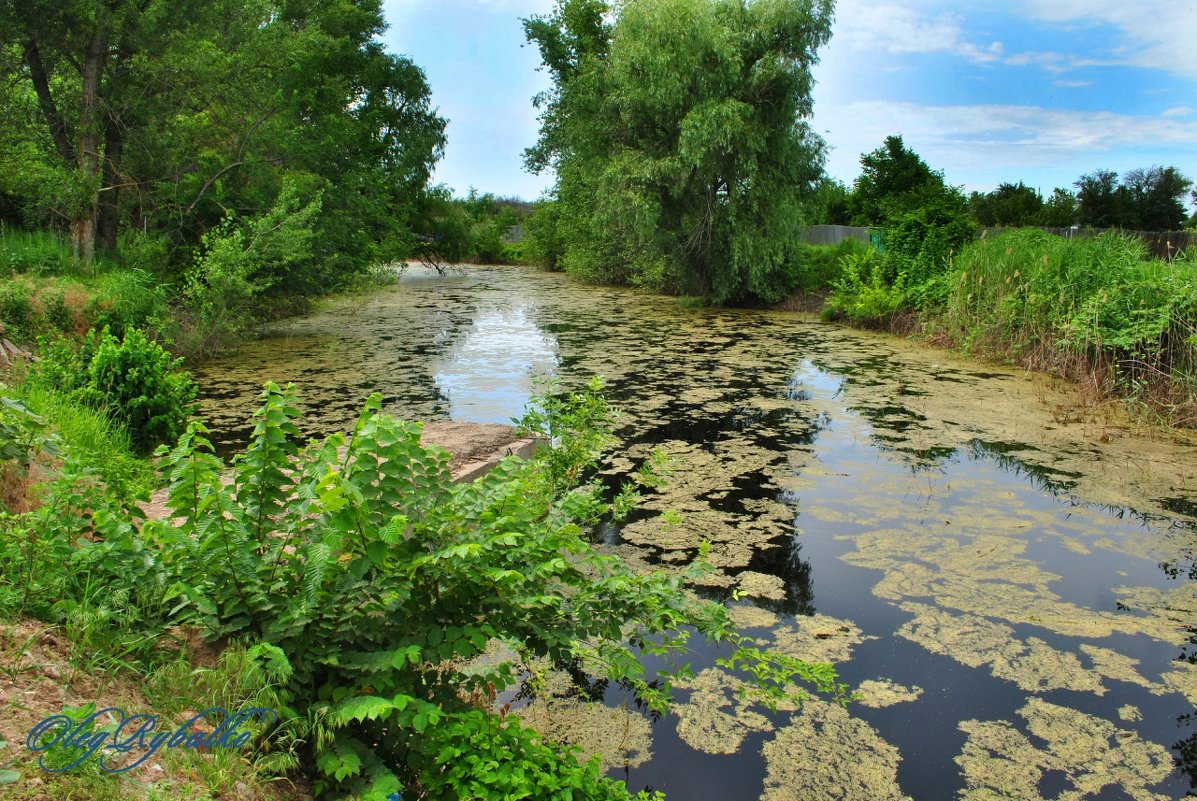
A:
(1039, 91)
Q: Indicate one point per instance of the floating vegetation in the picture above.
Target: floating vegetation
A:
(981, 503)
(818, 638)
(880, 693)
(1089, 753)
(619, 736)
(1130, 713)
(825, 753)
(718, 715)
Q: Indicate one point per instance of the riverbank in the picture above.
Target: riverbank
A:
(1099, 312)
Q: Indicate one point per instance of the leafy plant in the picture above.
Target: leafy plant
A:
(134, 379)
(379, 578)
(862, 294)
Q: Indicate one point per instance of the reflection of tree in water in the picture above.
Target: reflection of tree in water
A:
(1186, 749)
(786, 562)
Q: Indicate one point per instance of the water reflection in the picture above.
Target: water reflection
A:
(487, 373)
(965, 540)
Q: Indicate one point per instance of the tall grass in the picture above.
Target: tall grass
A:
(35, 252)
(88, 434)
(1096, 310)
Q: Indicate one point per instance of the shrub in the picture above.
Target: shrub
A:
(920, 242)
(817, 267)
(862, 294)
(134, 379)
(379, 578)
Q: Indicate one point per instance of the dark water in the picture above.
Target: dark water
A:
(936, 519)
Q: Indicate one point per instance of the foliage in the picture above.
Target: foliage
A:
(22, 433)
(920, 242)
(127, 299)
(31, 307)
(863, 294)
(379, 578)
(678, 132)
(1060, 210)
(1146, 199)
(1050, 301)
(36, 252)
(816, 268)
(1010, 205)
(543, 242)
(119, 120)
(893, 180)
(242, 262)
(134, 379)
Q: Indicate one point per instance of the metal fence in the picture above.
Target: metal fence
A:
(1160, 244)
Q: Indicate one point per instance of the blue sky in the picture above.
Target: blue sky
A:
(1033, 90)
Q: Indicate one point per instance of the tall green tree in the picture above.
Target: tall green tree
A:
(1060, 210)
(1157, 197)
(893, 180)
(678, 131)
(165, 117)
(1102, 202)
(1010, 205)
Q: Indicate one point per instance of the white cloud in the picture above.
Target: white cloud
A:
(981, 145)
(892, 28)
(1158, 34)
(1071, 84)
(1178, 111)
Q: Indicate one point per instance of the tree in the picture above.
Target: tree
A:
(1157, 197)
(1101, 202)
(1060, 210)
(1011, 205)
(678, 132)
(832, 203)
(136, 127)
(893, 179)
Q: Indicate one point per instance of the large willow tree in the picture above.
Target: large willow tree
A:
(678, 132)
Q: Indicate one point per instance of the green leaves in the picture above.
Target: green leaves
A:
(377, 581)
(681, 142)
(134, 379)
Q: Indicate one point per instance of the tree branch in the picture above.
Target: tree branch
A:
(41, 85)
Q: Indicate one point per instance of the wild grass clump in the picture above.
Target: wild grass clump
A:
(35, 252)
(1093, 309)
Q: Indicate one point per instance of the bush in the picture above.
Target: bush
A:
(921, 242)
(379, 579)
(134, 379)
(816, 268)
(862, 294)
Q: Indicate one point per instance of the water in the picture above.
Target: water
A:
(1018, 584)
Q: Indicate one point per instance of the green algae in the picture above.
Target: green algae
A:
(825, 753)
(880, 693)
(999, 761)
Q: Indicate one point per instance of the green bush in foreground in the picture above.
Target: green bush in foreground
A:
(379, 579)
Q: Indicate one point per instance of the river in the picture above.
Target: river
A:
(1006, 577)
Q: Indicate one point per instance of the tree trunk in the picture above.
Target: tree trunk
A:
(110, 189)
(45, 101)
(83, 227)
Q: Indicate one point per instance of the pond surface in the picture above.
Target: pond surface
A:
(1008, 580)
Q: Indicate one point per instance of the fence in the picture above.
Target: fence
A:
(1160, 244)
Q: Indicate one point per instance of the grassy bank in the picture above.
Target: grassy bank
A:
(1097, 311)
